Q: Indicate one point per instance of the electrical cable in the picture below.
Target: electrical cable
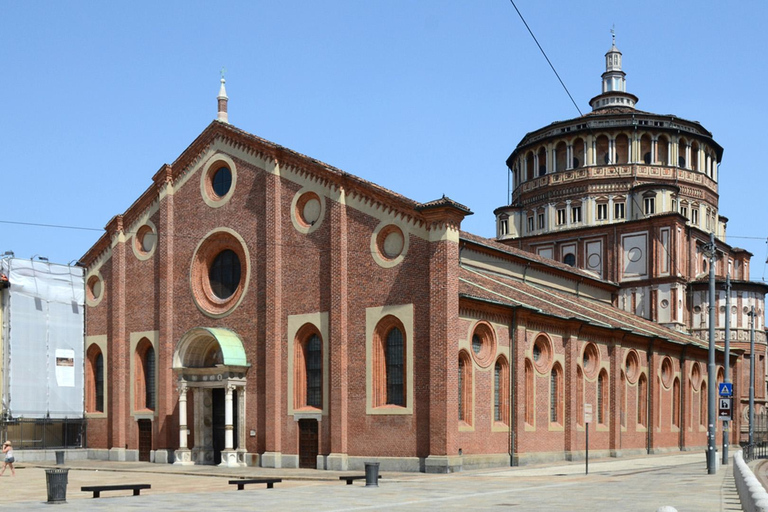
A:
(545, 56)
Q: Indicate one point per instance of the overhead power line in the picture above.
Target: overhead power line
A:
(545, 56)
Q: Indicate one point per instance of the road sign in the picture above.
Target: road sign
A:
(587, 413)
(724, 409)
(725, 389)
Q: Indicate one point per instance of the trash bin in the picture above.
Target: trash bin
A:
(371, 474)
(59, 457)
(57, 480)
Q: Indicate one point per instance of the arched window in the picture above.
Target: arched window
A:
(580, 396)
(465, 388)
(662, 147)
(695, 156)
(395, 361)
(560, 156)
(500, 388)
(602, 398)
(642, 401)
(389, 361)
(530, 412)
(645, 149)
(578, 153)
(529, 166)
(703, 407)
(622, 149)
(145, 376)
(542, 161)
(603, 155)
(676, 403)
(314, 366)
(94, 399)
(308, 368)
(555, 395)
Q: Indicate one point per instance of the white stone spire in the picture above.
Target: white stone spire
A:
(614, 91)
(222, 115)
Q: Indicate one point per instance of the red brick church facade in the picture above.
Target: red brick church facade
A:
(258, 307)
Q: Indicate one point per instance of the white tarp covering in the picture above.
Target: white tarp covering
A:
(44, 344)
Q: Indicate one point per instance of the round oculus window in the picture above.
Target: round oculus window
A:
(483, 344)
(590, 360)
(219, 274)
(633, 366)
(308, 209)
(542, 354)
(145, 239)
(391, 242)
(94, 288)
(221, 181)
(666, 372)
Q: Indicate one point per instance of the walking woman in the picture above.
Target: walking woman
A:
(9, 460)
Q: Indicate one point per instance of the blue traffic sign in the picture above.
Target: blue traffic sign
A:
(725, 388)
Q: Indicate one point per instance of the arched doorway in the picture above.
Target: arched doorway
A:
(211, 367)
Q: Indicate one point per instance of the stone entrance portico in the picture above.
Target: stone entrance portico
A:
(208, 359)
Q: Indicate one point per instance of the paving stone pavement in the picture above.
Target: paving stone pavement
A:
(627, 484)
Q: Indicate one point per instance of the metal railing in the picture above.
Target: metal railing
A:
(759, 447)
(44, 433)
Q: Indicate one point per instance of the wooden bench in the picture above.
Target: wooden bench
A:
(97, 489)
(269, 481)
(351, 479)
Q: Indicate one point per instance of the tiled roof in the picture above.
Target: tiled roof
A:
(489, 286)
(529, 256)
(442, 202)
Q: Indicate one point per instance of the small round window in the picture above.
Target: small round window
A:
(221, 181)
(224, 274)
(218, 180)
(666, 372)
(94, 288)
(483, 344)
(590, 360)
(570, 259)
(633, 366)
(145, 239)
(542, 353)
(390, 242)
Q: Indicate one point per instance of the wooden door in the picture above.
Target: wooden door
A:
(145, 439)
(308, 444)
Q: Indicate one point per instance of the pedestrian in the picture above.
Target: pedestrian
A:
(9, 459)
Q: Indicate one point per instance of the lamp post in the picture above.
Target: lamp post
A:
(751, 377)
(709, 250)
(727, 376)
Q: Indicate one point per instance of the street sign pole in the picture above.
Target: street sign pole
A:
(587, 421)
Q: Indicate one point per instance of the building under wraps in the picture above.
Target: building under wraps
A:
(43, 319)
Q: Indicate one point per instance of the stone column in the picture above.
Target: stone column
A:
(183, 416)
(228, 424)
(228, 454)
(241, 449)
(182, 456)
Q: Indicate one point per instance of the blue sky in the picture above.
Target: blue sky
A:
(423, 97)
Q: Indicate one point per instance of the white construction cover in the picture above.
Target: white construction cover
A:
(44, 315)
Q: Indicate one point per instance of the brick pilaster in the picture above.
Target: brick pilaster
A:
(167, 425)
(338, 319)
(120, 369)
(274, 315)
